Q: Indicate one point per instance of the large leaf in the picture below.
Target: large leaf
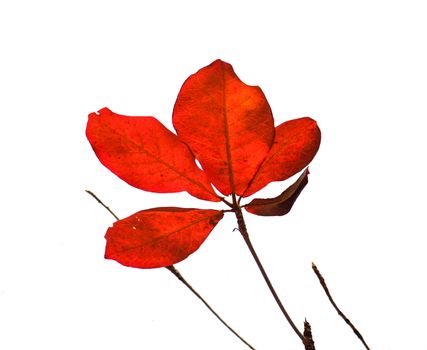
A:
(295, 145)
(226, 123)
(145, 154)
(282, 204)
(159, 237)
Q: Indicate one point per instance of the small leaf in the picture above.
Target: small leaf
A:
(145, 154)
(226, 123)
(282, 204)
(159, 237)
(295, 145)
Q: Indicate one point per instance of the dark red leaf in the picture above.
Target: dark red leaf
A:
(282, 204)
(145, 154)
(159, 237)
(226, 123)
(295, 145)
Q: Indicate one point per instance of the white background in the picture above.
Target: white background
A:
(358, 68)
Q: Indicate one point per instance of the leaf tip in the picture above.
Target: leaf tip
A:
(220, 61)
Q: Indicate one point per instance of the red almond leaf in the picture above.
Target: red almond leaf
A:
(159, 237)
(282, 204)
(226, 123)
(295, 145)
(145, 154)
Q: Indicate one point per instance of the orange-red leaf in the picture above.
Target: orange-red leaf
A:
(295, 145)
(282, 204)
(159, 237)
(226, 123)
(145, 154)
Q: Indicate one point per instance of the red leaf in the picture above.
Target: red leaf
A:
(145, 154)
(159, 237)
(229, 127)
(295, 145)
(282, 204)
(226, 123)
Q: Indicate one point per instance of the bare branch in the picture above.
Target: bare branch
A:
(325, 288)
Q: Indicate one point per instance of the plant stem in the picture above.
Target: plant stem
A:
(325, 288)
(179, 276)
(182, 279)
(100, 202)
(244, 232)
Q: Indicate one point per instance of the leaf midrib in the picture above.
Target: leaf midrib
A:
(141, 149)
(165, 236)
(227, 133)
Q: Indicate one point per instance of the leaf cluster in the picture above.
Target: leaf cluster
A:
(228, 127)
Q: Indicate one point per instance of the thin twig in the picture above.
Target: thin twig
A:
(100, 202)
(325, 288)
(244, 232)
(178, 275)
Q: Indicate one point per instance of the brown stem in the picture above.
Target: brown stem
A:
(183, 280)
(100, 202)
(244, 232)
(179, 276)
(325, 288)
